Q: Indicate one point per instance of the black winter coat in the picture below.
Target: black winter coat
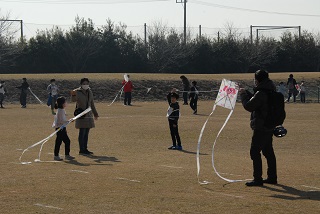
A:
(257, 104)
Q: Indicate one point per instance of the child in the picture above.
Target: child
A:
(127, 88)
(53, 94)
(193, 96)
(173, 117)
(3, 90)
(174, 90)
(61, 120)
(302, 92)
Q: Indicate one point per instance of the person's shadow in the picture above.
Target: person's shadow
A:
(100, 160)
(290, 193)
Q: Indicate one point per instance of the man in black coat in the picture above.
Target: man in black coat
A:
(257, 104)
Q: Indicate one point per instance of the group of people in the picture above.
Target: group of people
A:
(293, 89)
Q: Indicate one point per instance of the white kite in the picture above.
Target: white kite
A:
(42, 142)
(227, 97)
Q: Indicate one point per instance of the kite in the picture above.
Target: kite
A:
(35, 96)
(42, 142)
(226, 98)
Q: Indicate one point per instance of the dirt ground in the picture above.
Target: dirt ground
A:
(132, 171)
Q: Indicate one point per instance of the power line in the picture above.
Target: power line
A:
(81, 1)
(251, 10)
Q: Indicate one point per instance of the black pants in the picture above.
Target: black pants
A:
(62, 136)
(262, 141)
(303, 97)
(292, 93)
(127, 98)
(83, 138)
(194, 103)
(1, 99)
(185, 98)
(23, 99)
(174, 133)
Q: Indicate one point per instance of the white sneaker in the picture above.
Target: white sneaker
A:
(57, 158)
(69, 157)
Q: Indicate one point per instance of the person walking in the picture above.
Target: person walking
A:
(3, 90)
(84, 100)
(262, 138)
(292, 90)
(127, 88)
(60, 120)
(53, 94)
(193, 96)
(23, 94)
(186, 88)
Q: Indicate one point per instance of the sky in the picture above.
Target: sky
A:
(212, 15)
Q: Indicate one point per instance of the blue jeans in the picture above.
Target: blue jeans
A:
(83, 138)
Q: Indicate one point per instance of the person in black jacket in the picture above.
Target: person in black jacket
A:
(23, 95)
(292, 90)
(186, 88)
(257, 104)
(173, 91)
(193, 96)
(173, 117)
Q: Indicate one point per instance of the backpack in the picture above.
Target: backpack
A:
(276, 112)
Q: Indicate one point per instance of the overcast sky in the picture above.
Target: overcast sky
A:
(134, 13)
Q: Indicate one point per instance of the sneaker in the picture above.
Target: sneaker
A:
(254, 183)
(179, 147)
(172, 147)
(69, 157)
(195, 112)
(270, 181)
(88, 152)
(83, 152)
(57, 158)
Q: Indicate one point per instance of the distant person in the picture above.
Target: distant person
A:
(292, 90)
(128, 86)
(173, 117)
(186, 88)
(60, 119)
(173, 91)
(3, 90)
(262, 138)
(302, 92)
(282, 88)
(53, 94)
(84, 99)
(193, 96)
(24, 91)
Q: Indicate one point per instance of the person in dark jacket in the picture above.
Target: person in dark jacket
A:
(173, 117)
(257, 104)
(3, 90)
(186, 88)
(292, 90)
(23, 95)
(193, 96)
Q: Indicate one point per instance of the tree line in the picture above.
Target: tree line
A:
(111, 49)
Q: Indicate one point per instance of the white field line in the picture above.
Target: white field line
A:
(48, 206)
(126, 179)
(174, 167)
(229, 195)
(80, 171)
(311, 187)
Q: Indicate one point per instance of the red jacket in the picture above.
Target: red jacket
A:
(128, 86)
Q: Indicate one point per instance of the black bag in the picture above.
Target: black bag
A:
(78, 111)
(276, 112)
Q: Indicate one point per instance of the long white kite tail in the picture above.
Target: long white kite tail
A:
(35, 96)
(42, 142)
(227, 99)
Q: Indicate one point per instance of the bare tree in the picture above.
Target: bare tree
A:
(9, 49)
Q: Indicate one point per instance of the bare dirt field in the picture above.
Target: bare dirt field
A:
(132, 171)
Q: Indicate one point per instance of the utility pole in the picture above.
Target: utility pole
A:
(185, 19)
(200, 32)
(15, 20)
(145, 34)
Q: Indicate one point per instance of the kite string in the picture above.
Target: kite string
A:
(35, 96)
(119, 92)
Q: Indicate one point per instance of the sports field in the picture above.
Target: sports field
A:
(132, 171)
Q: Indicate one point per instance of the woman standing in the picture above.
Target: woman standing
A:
(186, 88)
(84, 98)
